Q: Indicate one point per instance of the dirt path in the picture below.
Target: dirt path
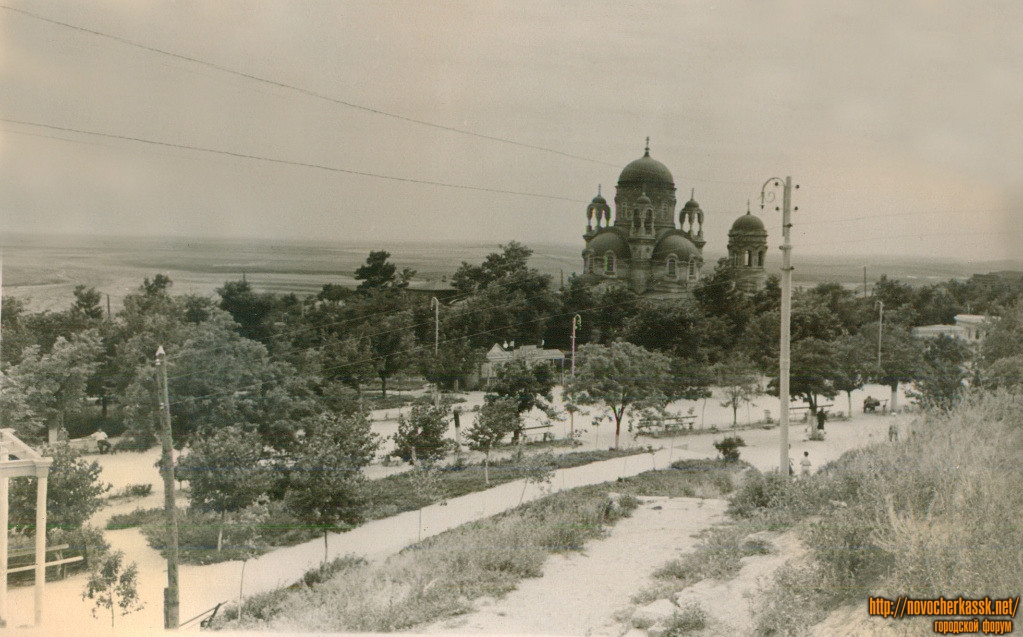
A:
(580, 593)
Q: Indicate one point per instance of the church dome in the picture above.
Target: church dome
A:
(599, 199)
(646, 170)
(675, 244)
(609, 241)
(748, 224)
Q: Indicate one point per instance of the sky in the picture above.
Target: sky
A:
(902, 123)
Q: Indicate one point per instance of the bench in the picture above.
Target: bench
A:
(56, 549)
(665, 426)
(547, 435)
(870, 405)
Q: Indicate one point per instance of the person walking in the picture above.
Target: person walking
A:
(804, 464)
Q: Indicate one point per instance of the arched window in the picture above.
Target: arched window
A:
(672, 268)
(609, 263)
(749, 258)
(760, 259)
(588, 264)
(692, 268)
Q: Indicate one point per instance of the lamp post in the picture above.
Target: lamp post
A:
(436, 323)
(784, 361)
(577, 321)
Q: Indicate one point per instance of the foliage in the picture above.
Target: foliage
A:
(53, 384)
(495, 419)
(728, 447)
(250, 310)
(454, 360)
(325, 481)
(113, 584)
(668, 326)
(420, 435)
(74, 492)
(1005, 373)
(530, 386)
(619, 377)
(378, 273)
(739, 383)
(943, 376)
(1005, 338)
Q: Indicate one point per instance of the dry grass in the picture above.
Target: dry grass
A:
(938, 515)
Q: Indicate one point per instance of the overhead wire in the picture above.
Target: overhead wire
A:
(285, 162)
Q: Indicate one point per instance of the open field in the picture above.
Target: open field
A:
(45, 269)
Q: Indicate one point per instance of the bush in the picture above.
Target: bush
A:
(138, 517)
(729, 447)
(690, 619)
(134, 491)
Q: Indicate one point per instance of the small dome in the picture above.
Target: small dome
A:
(675, 244)
(609, 241)
(691, 206)
(646, 170)
(599, 199)
(643, 200)
(748, 224)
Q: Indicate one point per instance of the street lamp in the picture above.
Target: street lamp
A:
(784, 362)
(577, 321)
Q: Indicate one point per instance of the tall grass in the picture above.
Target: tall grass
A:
(937, 515)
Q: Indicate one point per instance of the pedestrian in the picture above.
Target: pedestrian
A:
(805, 463)
(821, 417)
(893, 432)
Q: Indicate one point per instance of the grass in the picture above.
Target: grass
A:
(443, 575)
(396, 493)
(926, 517)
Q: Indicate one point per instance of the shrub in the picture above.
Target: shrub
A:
(690, 619)
(729, 447)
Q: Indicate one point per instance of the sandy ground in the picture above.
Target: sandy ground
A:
(203, 587)
(594, 585)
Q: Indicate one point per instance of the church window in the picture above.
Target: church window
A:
(692, 268)
(760, 259)
(672, 268)
(609, 263)
(749, 258)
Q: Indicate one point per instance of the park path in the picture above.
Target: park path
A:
(202, 587)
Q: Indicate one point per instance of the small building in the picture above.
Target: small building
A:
(500, 354)
(968, 327)
(934, 331)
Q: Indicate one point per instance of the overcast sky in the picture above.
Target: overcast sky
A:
(902, 122)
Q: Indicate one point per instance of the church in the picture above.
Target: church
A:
(641, 247)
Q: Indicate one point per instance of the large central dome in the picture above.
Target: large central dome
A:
(646, 170)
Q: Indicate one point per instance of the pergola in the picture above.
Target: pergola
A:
(17, 460)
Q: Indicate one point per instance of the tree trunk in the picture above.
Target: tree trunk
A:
(325, 545)
(735, 414)
(220, 532)
(895, 395)
(383, 387)
(618, 430)
(849, 394)
(486, 468)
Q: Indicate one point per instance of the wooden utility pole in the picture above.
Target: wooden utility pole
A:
(784, 361)
(170, 594)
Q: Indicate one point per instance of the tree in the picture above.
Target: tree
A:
(619, 377)
(739, 384)
(1005, 373)
(74, 492)
(853, 364)
(812, 372)
(378, 273)
(511, 261)
(496, 419)
(86, 309)
(941, 381)
(901, 359)
(453, 360)
(325, 480)
(669, 326)
(250, 310)
(111, 584)
(226, 472)
(55, 383)
(1005, 338)
(348, 360)
(420, 436)
(529, 386)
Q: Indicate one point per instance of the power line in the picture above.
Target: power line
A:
(303, 91)
(286, 162)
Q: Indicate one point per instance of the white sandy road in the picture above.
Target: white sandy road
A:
(204, 586)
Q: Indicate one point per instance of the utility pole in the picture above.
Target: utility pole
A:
(864, 281)
(170, 594)
(577, 321)
(436, 324)
(880, 329)
(786, 311)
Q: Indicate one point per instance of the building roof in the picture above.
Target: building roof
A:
(675, 244)
(646, 170)
(748, 224)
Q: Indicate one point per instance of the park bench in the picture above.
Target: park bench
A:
(57, 550)
(547, 429)
(665, 426)
(90, 444)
